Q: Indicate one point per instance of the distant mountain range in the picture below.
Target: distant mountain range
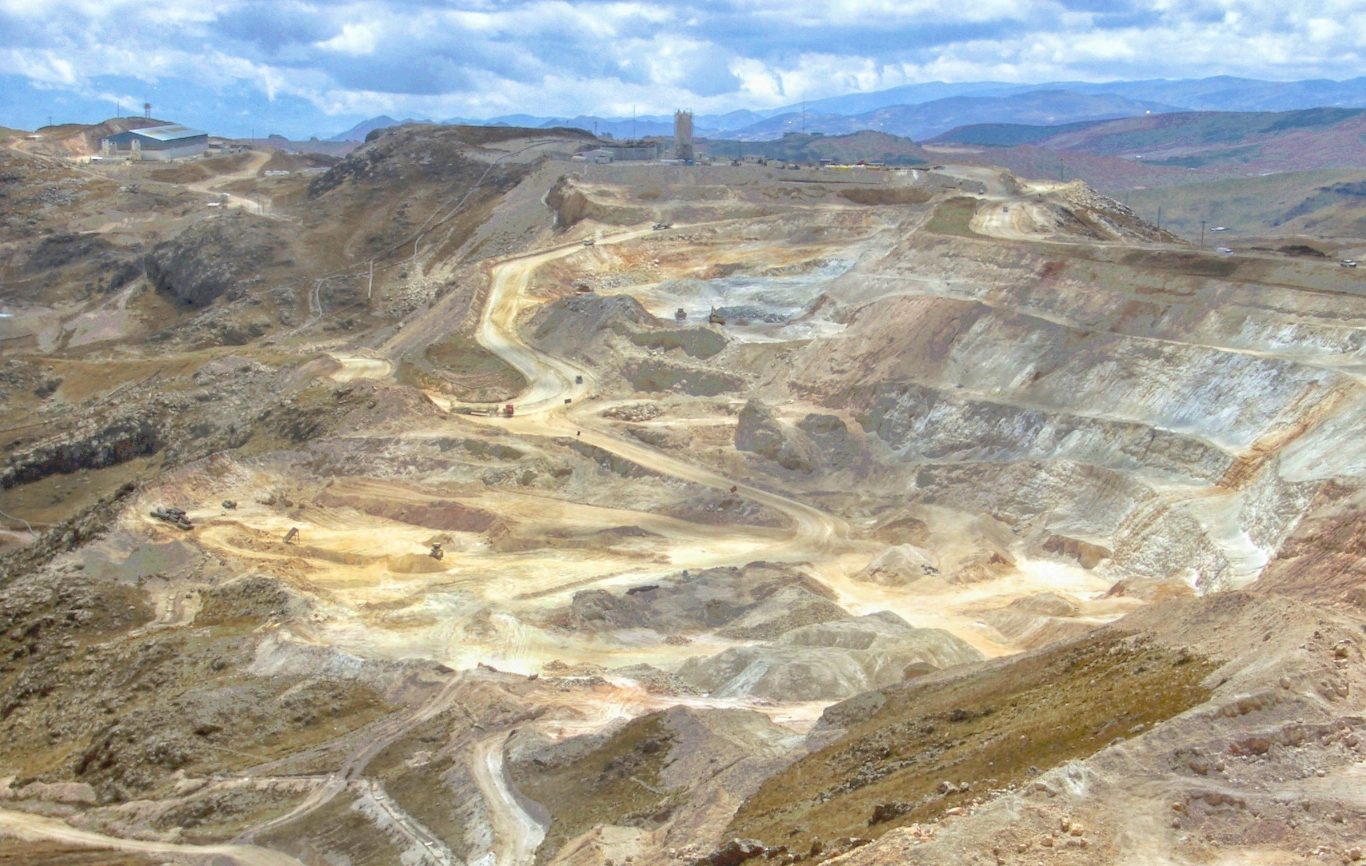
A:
(929, 109)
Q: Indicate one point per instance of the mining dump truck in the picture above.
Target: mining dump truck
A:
(659, 227)
(291, 535)
(578, 380)
(174, 516)
(508, 411)
(716, 318)
(680, 315)
(437, 552)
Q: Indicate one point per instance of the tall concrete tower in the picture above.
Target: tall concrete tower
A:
(683, 135)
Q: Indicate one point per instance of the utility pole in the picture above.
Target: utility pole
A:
(1202, 233)
(1159, 217)
(633, 123)
(370, 290)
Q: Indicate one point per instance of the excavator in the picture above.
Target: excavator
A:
(174, 516)
(437, 553)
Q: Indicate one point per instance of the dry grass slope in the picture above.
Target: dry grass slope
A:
(989, 729)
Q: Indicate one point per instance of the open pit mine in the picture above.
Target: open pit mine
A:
(460, 503)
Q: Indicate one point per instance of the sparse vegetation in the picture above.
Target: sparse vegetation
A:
(617, 782)
(981, 731)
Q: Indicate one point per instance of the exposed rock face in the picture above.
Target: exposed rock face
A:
(658, 375)
(132, 435)
(759, 431)
(899, 565)
(737, 851)
(572, 205)
(695, 342)
(837, 446)
(576, 324)
(213, 258)
(1086, 554)
(744, 599)
(829, 660)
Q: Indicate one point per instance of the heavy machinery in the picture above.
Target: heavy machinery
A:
(291, 535)
(578, 380)
(437, 553)
(508, 411)
(680, 315)
(716, 318)
(230, 504)
(174, 516)
(659, 227)
(588, 242)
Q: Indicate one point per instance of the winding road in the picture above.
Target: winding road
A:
(516, 834)
(543, 411)
(542, 408)
(552, 405)
(41, 828)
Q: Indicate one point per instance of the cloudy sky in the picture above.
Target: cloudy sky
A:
(483, 58)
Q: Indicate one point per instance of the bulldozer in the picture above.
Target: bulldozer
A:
(174, 516)
(715, 318)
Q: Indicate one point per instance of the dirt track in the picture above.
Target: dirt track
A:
(37, 827)
(516, 834)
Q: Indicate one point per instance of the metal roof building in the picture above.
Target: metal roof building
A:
(171, 141)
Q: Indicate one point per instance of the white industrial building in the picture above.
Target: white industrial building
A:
(171, 141)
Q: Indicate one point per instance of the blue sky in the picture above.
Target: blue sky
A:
(317, 66)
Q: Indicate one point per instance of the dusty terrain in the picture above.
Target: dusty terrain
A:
(924, 516)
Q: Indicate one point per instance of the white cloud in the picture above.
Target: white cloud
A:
(480, 57)
(354, 39)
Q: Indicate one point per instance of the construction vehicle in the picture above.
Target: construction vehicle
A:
(568, 400)
(508, 411)
(715, 318)
(174, 516)
(578, 380)
(1348, 263)
(588, 242)
(291, 535)
(680, 315)
(437, 553)
(659, 227)
(230, 504)
(583, 288)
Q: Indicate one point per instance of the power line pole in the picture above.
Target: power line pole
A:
(370, 291)
(1202, 233)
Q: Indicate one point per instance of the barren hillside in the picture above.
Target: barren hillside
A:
(464, 503)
